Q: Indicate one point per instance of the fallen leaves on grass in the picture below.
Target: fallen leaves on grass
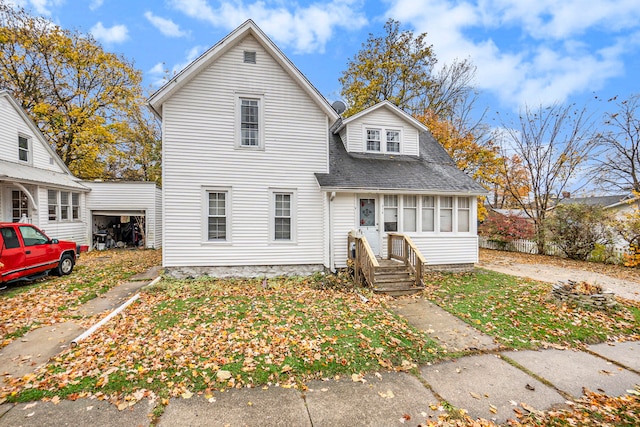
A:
(193, 336)
(521, 314)
(49, 301)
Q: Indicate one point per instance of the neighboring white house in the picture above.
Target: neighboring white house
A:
(35, 185)
(116, 208)
(261, 176)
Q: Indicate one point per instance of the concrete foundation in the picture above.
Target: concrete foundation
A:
(243, 271)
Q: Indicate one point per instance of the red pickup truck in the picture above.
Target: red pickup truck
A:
(26, 253)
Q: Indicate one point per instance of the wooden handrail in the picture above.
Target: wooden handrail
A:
(402, 248)
(364, 259)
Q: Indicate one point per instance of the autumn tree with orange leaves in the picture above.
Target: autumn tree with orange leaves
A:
(87, 102)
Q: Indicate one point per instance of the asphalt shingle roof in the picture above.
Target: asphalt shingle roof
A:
(596, 200)
(433, 171)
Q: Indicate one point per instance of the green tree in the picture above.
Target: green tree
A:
(577, 228)
(82, 98)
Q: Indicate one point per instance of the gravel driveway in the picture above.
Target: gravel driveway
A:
(549, 273)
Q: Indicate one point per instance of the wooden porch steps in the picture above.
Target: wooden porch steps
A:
(394, 278)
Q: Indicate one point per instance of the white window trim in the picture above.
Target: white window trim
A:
(261, 123)
(383, 138)
(205, 215)
(29, 160)
(294, 215)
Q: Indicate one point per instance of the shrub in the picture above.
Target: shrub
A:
(576, 229)
(505, 228)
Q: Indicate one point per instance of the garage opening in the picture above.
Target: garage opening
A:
(118, 229)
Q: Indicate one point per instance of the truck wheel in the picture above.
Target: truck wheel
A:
(66, 265)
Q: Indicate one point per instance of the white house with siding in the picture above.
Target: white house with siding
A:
(261, 176)
(35, 185)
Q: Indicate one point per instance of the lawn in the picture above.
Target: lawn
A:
(521, 314)
(184, 337)
(51, 300)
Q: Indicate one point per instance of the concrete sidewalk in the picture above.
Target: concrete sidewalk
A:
(488, 385)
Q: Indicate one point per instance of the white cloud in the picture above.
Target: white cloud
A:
(95, 4)
(165, 26)
(551, 53)
(304, 28)
(115, 34)
(40, 7)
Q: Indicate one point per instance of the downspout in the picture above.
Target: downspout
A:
(332, 265)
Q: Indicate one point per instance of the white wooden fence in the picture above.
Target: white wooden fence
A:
(531, 247)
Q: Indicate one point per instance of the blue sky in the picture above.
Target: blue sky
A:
(533, 51)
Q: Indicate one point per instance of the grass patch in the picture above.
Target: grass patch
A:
(202, 335)
(521, 314)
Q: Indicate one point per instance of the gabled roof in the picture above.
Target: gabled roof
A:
(433, 172)
(30, 174)
(36, 131)
(381, 105)
(603, 201)
(210, 56)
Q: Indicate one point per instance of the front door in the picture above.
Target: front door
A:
(368, 223)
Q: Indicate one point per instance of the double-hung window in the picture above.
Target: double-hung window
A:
(75, 206)
(464, 214)
(217, 215)
(249, 122)
(381, 140)
(373, 139)
(390, 213)
(446, 214)
(52, 202)
(282, 219)
(24, 149)
(393, 141)
(65, 206)
(428, 213)
(409, 213)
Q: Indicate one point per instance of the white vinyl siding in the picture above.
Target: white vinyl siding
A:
(14, 130)
(200, 117)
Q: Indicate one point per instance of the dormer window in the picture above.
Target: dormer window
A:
(393, 141)
(23, 149)
(376, 136)
(373, 140)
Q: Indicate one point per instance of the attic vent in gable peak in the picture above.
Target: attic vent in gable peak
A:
(249, 57)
